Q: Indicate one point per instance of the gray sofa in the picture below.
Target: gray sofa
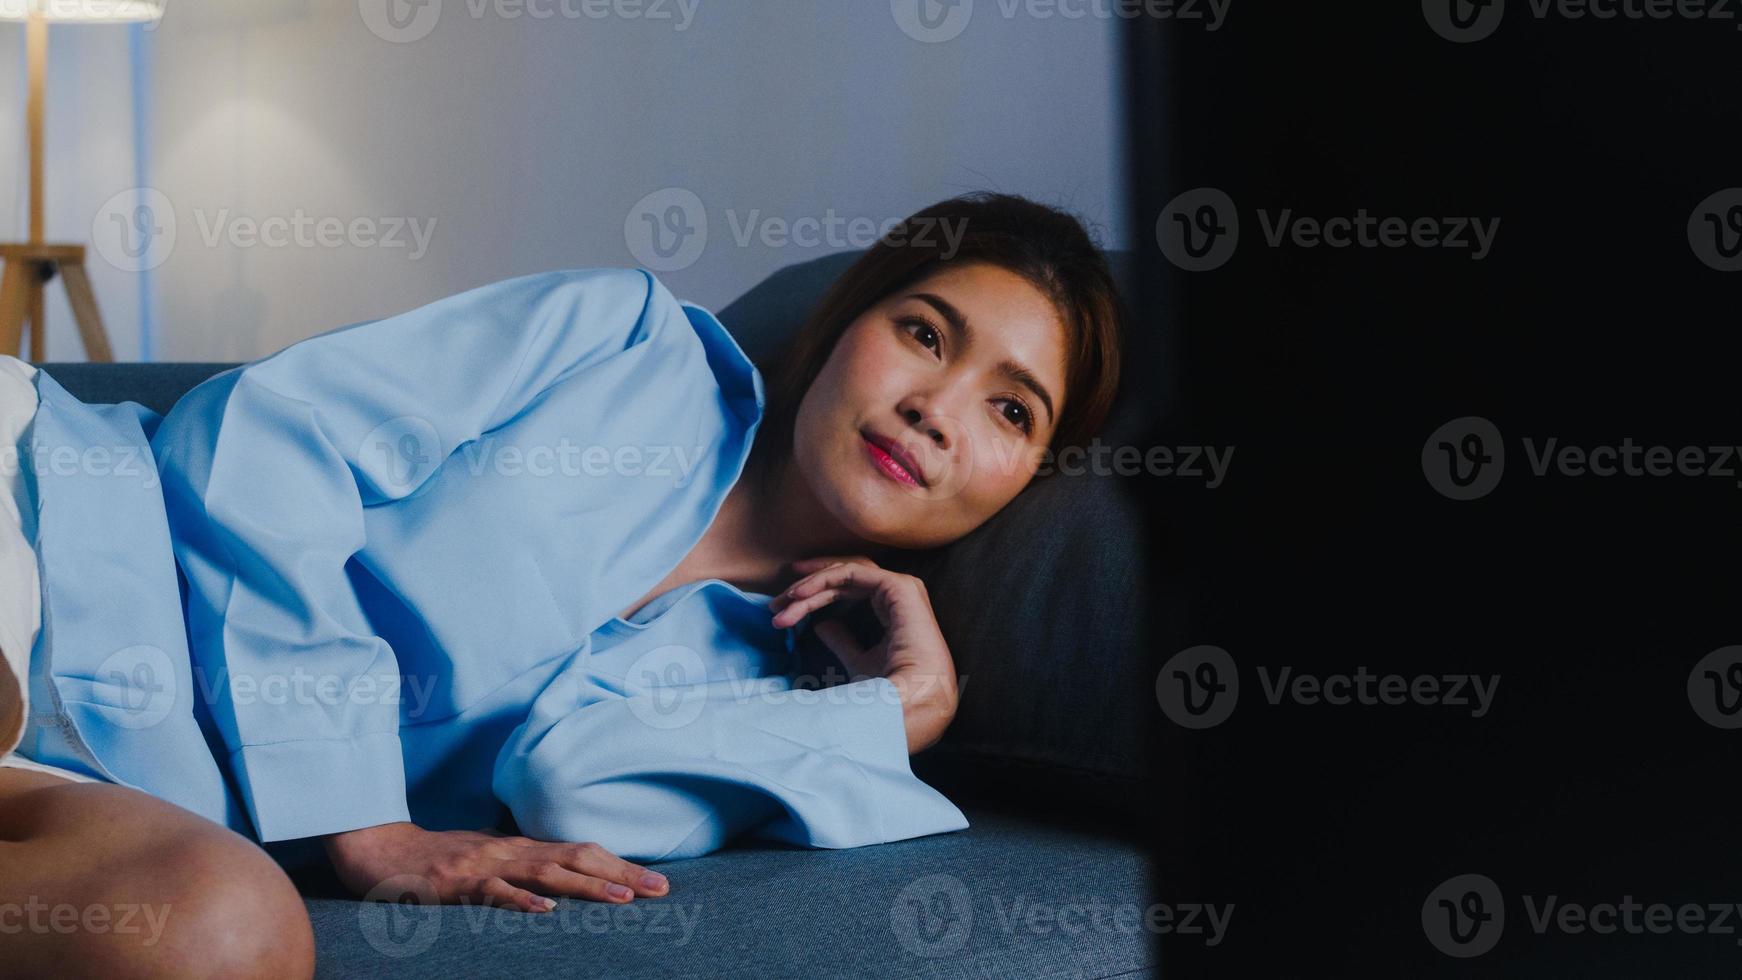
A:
(1043, 607)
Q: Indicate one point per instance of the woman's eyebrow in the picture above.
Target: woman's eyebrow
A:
(1013, 370)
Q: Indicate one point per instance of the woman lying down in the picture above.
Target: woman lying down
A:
(543, 545)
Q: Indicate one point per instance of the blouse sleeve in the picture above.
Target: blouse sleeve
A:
(654, 774)
(266, 472)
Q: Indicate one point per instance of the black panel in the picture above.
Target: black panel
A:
(1598, 317)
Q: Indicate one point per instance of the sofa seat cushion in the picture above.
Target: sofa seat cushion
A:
(1011, 896)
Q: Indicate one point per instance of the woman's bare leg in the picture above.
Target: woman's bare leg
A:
(101, 880)
(11, 706)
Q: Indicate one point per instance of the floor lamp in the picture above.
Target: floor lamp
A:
(31, 265)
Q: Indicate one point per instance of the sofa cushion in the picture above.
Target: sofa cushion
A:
(1009, 897)
(157, 386)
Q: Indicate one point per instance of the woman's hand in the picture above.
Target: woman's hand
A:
(489, 869)
(912, 653)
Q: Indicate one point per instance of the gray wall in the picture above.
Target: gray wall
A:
(515, 143)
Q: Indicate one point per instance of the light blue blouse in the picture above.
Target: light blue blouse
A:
(402, 546)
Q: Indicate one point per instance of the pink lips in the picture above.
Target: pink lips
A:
(892, 460)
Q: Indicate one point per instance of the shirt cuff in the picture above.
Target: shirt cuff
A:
(862, 722)
(312, 787)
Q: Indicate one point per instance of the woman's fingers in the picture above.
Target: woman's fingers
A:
(805, 566)
(801, 606)
(552, 878)
(585, 871)
(837, 575)
(498, 892)
(597, 862)
(594, 860)
(849, 579)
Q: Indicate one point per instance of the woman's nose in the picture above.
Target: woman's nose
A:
(928, 425)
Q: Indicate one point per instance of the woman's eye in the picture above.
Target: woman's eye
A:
(1022, 419)
(922, 330)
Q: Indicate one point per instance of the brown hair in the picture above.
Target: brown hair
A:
(1043, 245)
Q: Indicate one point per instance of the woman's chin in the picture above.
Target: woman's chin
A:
(884, 516)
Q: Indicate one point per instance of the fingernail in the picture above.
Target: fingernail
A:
(619, 891)
(653, 880)
(545, 904)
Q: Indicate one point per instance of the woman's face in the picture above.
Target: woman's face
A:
(936, 369)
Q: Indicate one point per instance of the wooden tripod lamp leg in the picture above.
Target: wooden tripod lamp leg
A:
(28, 265)
(84, 304)
(33, 311)
(13, 297)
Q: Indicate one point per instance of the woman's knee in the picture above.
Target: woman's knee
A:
(220, 907)
(127, 885)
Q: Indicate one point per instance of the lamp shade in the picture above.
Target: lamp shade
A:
(82, 11)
